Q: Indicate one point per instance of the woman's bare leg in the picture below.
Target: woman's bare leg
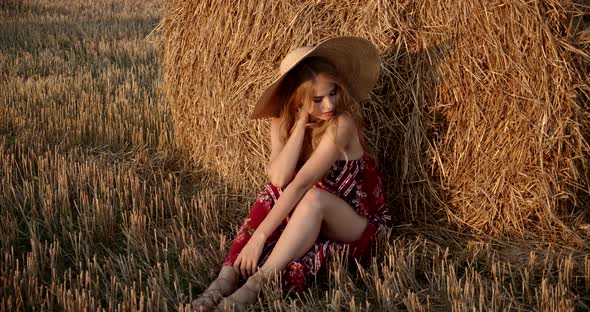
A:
(318, 211)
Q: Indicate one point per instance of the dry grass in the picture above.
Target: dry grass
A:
(100, 211)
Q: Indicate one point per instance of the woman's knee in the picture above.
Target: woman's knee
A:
(312, 200)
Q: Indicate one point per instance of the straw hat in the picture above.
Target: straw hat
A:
(356, 61)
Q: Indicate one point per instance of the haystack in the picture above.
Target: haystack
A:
(478, 117)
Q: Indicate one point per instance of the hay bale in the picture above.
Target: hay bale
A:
(475, 117)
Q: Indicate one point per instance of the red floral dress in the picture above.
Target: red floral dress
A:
(358, 182)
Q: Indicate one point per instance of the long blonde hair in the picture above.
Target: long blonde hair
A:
(296, 90)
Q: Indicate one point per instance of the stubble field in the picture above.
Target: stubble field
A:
(100, 211)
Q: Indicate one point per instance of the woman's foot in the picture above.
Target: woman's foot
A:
(220, 288)
(244, 297)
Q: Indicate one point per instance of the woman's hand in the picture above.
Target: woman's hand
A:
(302, 115)
(247, 260)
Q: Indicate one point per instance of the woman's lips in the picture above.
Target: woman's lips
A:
(328, 113)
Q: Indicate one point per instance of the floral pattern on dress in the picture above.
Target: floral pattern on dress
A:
(357, 182)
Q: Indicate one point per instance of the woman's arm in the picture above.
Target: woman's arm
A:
(312, 171)
(283, 159)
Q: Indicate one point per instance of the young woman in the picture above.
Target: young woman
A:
(325, 191)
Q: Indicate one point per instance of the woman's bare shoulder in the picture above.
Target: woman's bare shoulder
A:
(275, 123)
(345, 121)
(345, 129)
(275, 127)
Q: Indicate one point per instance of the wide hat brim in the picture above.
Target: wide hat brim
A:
(356, 61)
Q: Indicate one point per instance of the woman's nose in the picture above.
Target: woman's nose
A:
(328, 105)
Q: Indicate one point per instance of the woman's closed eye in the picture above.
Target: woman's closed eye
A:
(318, 99)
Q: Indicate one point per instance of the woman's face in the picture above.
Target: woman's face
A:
(323, 100)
